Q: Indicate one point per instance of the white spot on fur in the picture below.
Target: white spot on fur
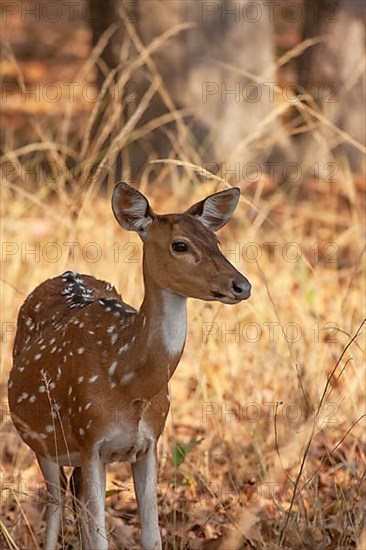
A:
(22, 397)
(127, 377)
(123, 348)
(112, 368)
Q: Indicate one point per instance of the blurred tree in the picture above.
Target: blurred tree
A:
(103, 15)
(333, 69)
(221, 68)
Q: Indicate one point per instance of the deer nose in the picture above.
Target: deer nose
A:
(241, 288)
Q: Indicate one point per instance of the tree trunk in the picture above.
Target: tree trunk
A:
(333, 71)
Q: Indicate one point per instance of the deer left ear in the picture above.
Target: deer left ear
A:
(131, 209)
(216, 210)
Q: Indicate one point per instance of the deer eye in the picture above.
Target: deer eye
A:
(179, 246)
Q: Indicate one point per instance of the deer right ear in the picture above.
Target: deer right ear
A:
(131, 209)
(216, 210)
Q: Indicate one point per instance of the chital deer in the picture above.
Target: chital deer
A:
(89, 383)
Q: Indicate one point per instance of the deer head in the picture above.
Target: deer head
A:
(181, 252)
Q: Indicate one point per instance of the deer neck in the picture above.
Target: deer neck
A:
(160, 331)
(164, 315)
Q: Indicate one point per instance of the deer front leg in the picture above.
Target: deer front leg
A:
(145, 480)
(93, 501)
(55, 483)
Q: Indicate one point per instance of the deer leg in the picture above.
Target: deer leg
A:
(145, 480)
(56, 483)
(76, 491)
(92, 499)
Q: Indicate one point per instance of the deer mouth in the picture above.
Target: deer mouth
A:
(224, 298)
(218, 295)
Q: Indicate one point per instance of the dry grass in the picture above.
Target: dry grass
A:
(280, 422)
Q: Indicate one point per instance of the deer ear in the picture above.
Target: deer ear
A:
(131, 209)
(216, 210)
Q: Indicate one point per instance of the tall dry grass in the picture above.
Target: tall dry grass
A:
(268, 401)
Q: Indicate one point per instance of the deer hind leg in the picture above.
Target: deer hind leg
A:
(76, 492)
(145, 480)
(56, 486)
(92, 501)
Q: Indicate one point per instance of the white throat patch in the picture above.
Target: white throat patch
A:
(174, 322)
